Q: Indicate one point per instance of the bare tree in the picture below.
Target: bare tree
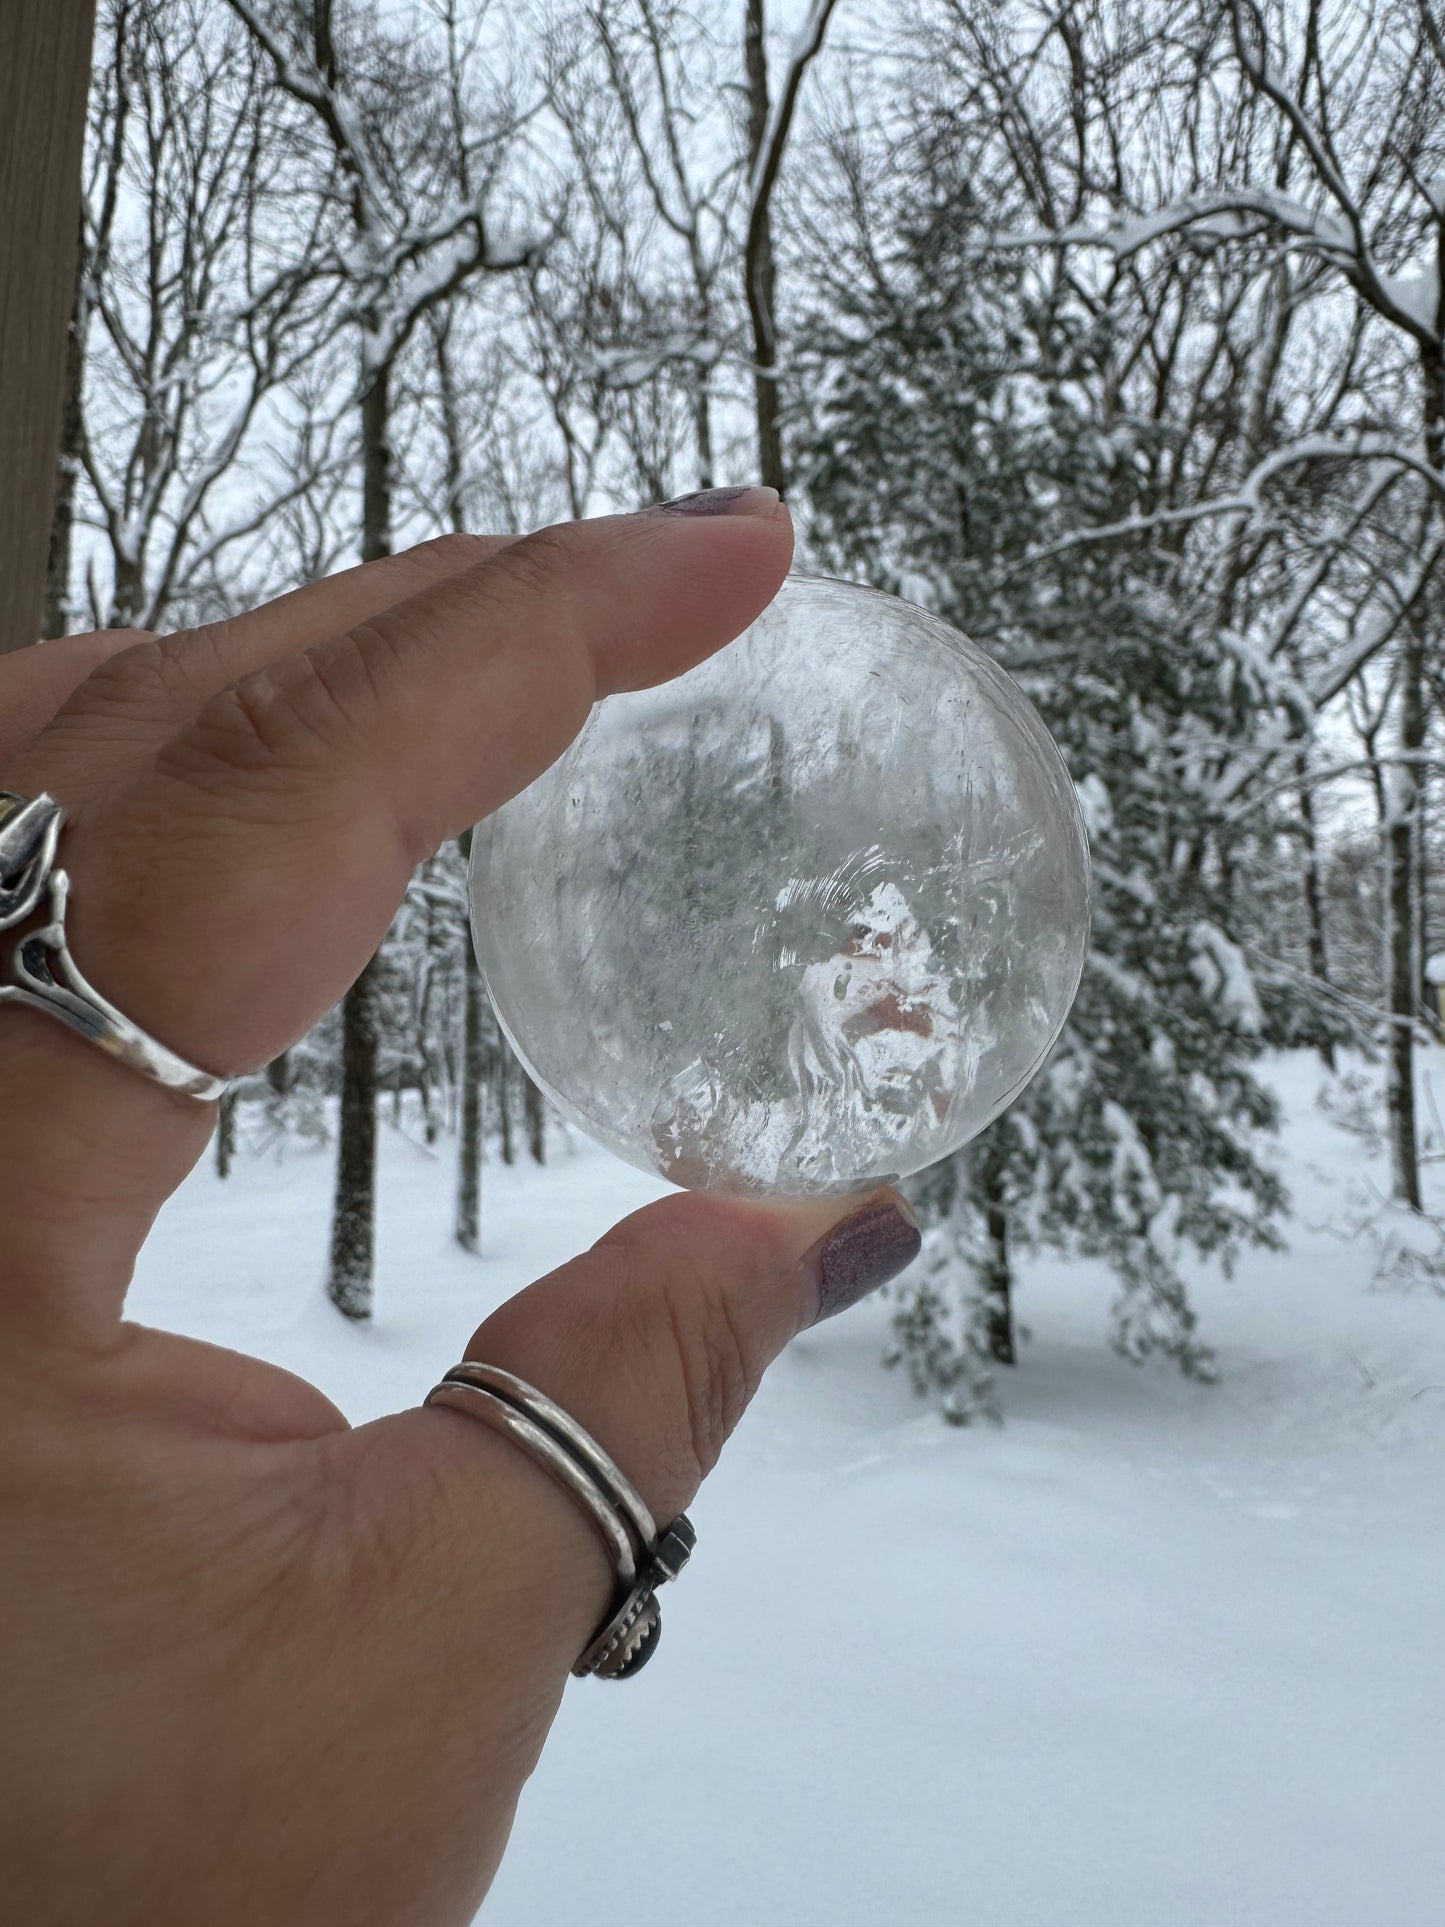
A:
(187, 338)
(1301, 157)
(770, 121)
(471, 1120)
(1359, 104)
(58, 610)
(467, 1227)
(662, 186)
(414, 154)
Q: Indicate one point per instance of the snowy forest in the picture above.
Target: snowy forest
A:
(1112, 333)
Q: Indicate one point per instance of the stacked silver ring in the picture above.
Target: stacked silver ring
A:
(642, 1557)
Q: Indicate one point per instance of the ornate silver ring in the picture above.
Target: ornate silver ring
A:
(43, 970)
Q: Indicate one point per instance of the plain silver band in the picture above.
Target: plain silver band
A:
(477, 1402)
(613, 1481)
(47, 979)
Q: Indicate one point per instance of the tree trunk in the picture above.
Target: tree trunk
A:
(225, 1133)
(469, 1169)
(353, 1218)
(45, 52)
(536, 1110)
(62, 515)
(1432, 634)
(504, 1101)
(758, 265)
(1402, 972)
(1419, 935)
(1228, 885)
(1404, 965)
(376, 467)
(702, 421)
(473, 1077)
(278, 1087)
(353, 1215)
(998, 1318)
(1314, 900)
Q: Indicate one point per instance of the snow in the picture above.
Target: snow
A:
(1096, 805)
(1416, 295)
(1150, 1652)
(1222, 974)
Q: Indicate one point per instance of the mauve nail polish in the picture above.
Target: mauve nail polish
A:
(722, 501)
(862, 1253)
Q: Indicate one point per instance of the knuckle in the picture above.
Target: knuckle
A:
(538, 563)
(276, 720)
(359, 667)
(196, 659)
(542, 571)
(415, 570)
(703, 1353)
(456, 550)
(150, 676)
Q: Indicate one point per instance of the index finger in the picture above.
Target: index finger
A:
(35, 681)
(158, 683)
(227, 897)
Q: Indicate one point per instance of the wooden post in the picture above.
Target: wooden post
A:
(44, 80)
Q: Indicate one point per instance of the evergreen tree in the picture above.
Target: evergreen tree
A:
(964, 420)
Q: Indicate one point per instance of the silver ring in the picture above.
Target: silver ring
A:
(44, 972)
(544, 1448)
(619, 1490)
(642, 1558)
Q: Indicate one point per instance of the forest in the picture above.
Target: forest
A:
(1112, 333)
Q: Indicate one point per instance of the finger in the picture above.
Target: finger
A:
(327, 608)
(226, 900)
(654, 1341)
(35, 682)
(235, 893)
(126, 704)
(658, 1339)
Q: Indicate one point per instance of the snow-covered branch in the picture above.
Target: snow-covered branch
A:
(807, 43)
(1248, 498)
(397, 267)
(1409, 301)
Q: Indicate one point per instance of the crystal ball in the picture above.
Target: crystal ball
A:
(805, 919)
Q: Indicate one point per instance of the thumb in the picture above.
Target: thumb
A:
(475, 1581)
(654, 1341)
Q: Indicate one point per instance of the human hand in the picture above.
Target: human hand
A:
(261, 1667)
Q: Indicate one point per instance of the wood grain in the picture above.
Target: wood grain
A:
(45, 48)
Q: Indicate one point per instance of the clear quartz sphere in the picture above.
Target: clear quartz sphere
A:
(803, 920)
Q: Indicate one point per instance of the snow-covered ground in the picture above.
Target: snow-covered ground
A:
(1151, 1654)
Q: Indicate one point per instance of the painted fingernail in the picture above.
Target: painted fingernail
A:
(862, 1253)
(722, 501)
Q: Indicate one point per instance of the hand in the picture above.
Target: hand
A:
(260, 1667)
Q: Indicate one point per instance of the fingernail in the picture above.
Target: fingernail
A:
(862, 1253)
(722, 501)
